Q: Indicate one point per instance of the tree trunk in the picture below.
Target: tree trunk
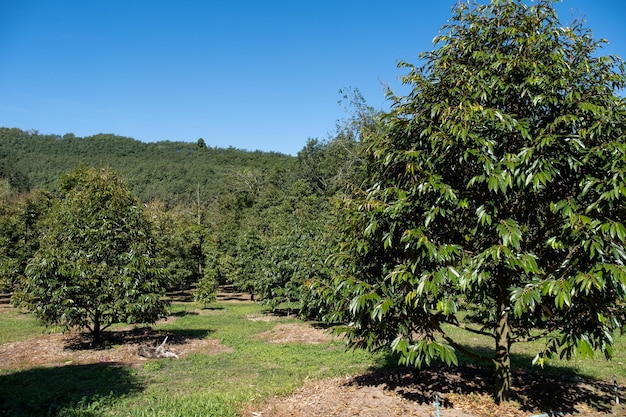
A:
(97, 331)
(502, 360)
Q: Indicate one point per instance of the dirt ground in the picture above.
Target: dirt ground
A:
(464, 391)
(410, 393)
(58, 349)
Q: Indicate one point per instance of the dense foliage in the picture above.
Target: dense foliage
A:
(259, 221)
(20, 229)
(97, 262)
(495, 189)
(166, 171)
(490, 197)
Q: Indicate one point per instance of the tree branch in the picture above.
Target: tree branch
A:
(464, 350)
(469, 329)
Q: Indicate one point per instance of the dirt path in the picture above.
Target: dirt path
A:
(340, 397)
(58, 349)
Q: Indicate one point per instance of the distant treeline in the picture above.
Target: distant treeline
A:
(262, 221)
(172, 172)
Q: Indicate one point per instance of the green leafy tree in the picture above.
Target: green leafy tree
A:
(180, 239)
(230, 215)
(498, 190)
(97, 260)
(20, 229)
(207, 286)
(10, 239)
(246, 264)
(293, 246)
(333, 166)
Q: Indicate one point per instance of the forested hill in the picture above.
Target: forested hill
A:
(169, 171)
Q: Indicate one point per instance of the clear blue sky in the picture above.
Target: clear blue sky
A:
(249, 74)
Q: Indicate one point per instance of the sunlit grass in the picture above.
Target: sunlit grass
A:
(196, 385)
(219, 384)
(522, 354)
(16, 326)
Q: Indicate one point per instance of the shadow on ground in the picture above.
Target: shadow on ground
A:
(553, 390)
(65, 391)
(138, 335)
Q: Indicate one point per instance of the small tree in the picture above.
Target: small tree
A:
(498, 190)
(19, 233)
(294, 249)
(96, 264)
(208, 284)
(180, 244)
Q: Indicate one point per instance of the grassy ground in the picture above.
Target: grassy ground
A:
(197, 385)
(523, 354)
(207, 385)
(16, 326)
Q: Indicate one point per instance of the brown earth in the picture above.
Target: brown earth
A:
(295, 333)
(464, 391)
(58, 349)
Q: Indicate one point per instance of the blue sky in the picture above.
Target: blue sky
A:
(255, 75)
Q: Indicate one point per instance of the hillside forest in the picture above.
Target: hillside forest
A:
(261, 222)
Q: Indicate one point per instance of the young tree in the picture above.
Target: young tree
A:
(96, 264)
(499, 189)
(293, 247)
(180, 240)
(20, 228)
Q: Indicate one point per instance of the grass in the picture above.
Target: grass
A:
(522, 355)
(210, 385)
(197, 385)
(16, 326)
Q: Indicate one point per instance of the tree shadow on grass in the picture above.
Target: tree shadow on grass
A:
(184, 313)
(136, 336)
(181, 296)
(550, 390)
(211, 308)
(73, 390)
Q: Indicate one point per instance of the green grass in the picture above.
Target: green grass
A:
(522, 355)
(211, 385)
(197, 385)
(16, 326)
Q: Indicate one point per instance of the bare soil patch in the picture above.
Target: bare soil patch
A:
(5, 300)
(341, 397)
(295, 333)
(464, 391)
(58, 349)
(266, 317)
(225, 293)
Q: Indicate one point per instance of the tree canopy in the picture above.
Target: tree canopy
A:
(495, 193)
(97, 263)
(167, 171)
